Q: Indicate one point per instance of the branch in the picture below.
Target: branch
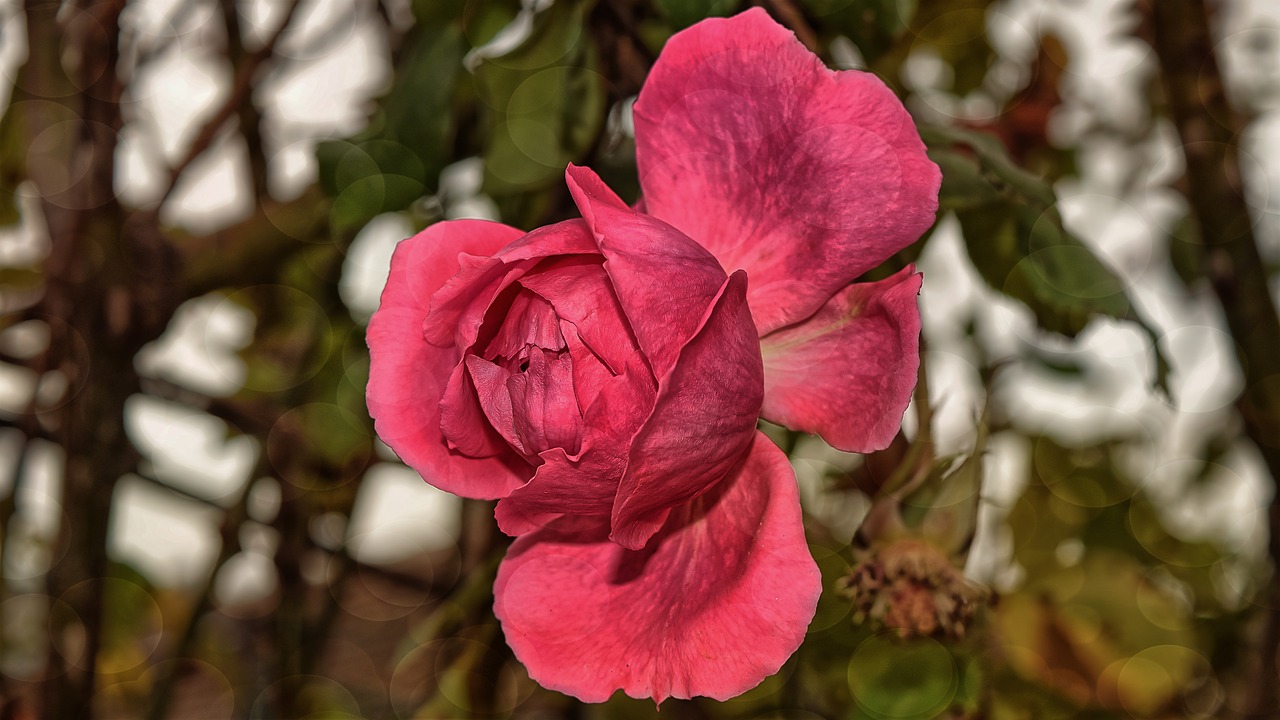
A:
(245, 416)
(251, 252)
(162, 695)
(241, 89)
(249, 115)
(1207, 127)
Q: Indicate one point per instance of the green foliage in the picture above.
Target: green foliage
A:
(408, 141)
(1101, 605)
(12, 164)
(956, 30)
(1015, 237)
(892, 678)
(873, 25)
(1124, 645)
(683, 13)
(544, 103)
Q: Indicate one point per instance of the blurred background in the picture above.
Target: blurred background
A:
(198, 203)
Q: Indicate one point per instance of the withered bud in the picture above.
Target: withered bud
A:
(910, 587)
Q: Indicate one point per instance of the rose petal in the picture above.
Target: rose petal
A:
(464, 420)
(742, 140)
(407, 374)
(545, 409)
(702, 422)
(494, 398)
(847, 372)
(587, 484)
(715, 604)
(529, 320)
(590, 373)
(581, 292)
(458, 308)
(663, 280)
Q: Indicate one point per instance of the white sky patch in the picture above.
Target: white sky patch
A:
(368, 263)
(170, 539)
(190, 450)
(397, 516)
(13, 46)
(460, 191)
(198, 350)
(175, 94)
(292, 168)
(214, 192)
(326, 96)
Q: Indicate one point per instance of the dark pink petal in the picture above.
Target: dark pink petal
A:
(663, 280)
(477, 283)
(586, 484)
(494, 398)
(847, 372)
(529, 320)
(407, 374)
(582, 293)
(590, 373)
(460, 305)
(542, 398)
(570, 237)
(463, 419)
(717, 602)
(581, 487)
(802, 176)
(702, 422)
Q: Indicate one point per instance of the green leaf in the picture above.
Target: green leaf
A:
(13, 152)
(683, 13)
(957, 31)
(409, 140)
(891, 678)
(418, 112)
(872, 25)
(1016, 239)
(546, 103)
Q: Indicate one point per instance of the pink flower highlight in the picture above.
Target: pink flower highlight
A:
(602, 378)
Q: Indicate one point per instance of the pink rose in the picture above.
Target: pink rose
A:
(602, 377)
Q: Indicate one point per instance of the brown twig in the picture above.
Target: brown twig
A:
(1208, 128)
(241, 89)
(165, 685)
(250, 117)
(142, 55)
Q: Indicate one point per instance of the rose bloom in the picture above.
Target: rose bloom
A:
(602, 377)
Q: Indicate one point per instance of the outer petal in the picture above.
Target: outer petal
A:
(702, 423)
(407, 375)
(847, 372)
(663, 280)
(802, 176)
(716, 604)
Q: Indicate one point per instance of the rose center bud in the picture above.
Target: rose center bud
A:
(524, 378)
